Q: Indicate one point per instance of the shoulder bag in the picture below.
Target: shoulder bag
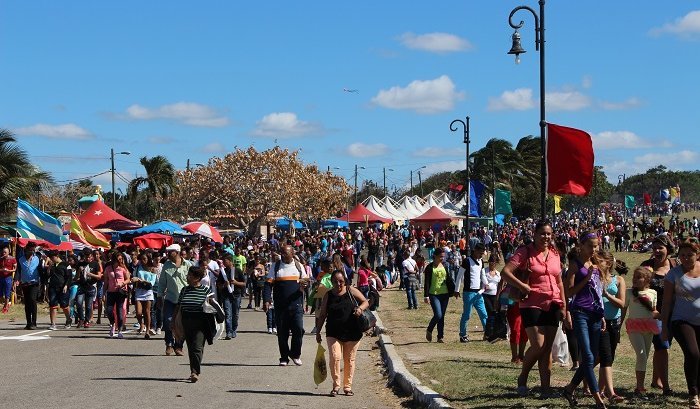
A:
(512, 294)
(366, 320)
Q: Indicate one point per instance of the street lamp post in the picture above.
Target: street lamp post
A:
(114, 194)
(465, 128)
(390, 170)
(516, 50)
(356, 167)
(420, 183)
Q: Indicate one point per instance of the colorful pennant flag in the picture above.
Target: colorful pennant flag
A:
(569, 161)
(647, 198)
(39, 224)
(80, 231)
(476, 190)
(503, 202)
(557, 204)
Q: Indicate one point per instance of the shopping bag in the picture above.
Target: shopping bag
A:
(320, 369)
(220, 327)
(176, 326)
(560, 348)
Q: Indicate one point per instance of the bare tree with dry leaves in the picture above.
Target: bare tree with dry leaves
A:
(250, 186)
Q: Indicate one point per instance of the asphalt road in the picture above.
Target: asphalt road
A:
(84, 368)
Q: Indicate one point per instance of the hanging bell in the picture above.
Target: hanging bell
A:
(516, 49)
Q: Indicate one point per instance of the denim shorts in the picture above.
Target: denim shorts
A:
(660, 345)
(6, 287)
(58, 298)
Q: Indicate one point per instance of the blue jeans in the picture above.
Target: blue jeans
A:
(439, 306)
(587, 332)
(411, 296)
(472, 299)
(232, 307)
(270, 316)
(168, 309)
(85, 298)
(157, 313)
(289, 317)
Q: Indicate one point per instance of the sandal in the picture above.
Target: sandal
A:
(569, 396)
(333, 393)
(614, 399)
(349, 392)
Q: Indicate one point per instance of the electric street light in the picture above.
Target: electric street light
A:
(465, 128)
(114, 194)
(361, 167)
(516, 50)
(390, 170)
(422, 167)
(335, 168)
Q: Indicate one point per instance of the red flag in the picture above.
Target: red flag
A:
(647, 198)
(569, 161)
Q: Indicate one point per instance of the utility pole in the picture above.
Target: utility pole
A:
(411, 182)
(356, 167)
(188, 165)
(420, 183)
(114, 195)
(390, 170)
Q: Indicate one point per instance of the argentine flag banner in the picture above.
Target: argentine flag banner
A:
(38, 223)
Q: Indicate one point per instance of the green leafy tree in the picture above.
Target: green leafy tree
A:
(158, 184)
(19, 177)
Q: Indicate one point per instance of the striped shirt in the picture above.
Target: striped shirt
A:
(192, 298)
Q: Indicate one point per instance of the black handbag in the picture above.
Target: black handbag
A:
(366, 320)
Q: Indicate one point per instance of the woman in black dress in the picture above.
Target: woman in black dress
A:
(340, 308)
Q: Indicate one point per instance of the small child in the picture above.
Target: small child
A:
(640, 309)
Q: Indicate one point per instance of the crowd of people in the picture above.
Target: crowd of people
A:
(556, 273)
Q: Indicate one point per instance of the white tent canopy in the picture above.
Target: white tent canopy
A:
(373, 205)
(391, 207)
(407, 207)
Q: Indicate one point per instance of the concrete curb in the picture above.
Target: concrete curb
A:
(399, 375)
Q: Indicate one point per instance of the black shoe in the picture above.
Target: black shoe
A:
(28, 327)
(464, 339)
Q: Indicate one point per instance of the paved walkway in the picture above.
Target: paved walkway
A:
(84, 368)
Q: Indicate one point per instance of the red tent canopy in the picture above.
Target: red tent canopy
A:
(357, 215)
(64, 246)
(434, 214)
(99, 216)
(153, 241)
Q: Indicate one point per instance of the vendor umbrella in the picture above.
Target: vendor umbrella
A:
(203, 229)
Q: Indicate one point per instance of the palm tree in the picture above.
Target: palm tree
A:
(159, 182)
(19, 177)
(498, 162)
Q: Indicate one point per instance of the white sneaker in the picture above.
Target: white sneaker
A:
(52, 327)
(158, 331)
(297, 361)
(269, 330)
(274, 330)
(150, 331)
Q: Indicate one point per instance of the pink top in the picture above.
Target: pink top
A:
(362, 277)
(114, 277)
(543, 277)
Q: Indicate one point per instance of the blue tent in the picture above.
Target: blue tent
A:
(334, 224)
(163, 227)
(284, 223)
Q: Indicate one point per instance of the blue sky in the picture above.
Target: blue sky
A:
(194, 80)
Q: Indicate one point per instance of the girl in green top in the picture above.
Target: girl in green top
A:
(437, 289)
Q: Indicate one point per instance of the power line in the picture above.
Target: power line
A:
(82, 178)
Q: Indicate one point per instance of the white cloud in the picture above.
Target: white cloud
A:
(434, 152)
(686, 26)
(566, 101)
(214, 147)
(587, 82)
(682, 160)
(435, 42)
(364, 150)
(629, 103)
(623, 140)
(285, 125)
(669, 159)
(188, 113)
(423, 97)
(519, 100)
(63, 131)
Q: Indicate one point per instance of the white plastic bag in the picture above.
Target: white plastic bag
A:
(560, 348)
(219, 330)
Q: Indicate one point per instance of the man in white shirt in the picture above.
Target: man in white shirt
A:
(410, 268)
(285, 286)
(474, 283)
